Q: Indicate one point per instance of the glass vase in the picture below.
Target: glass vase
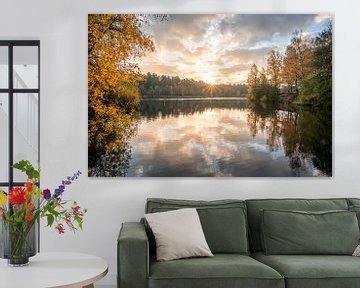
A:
(18, 242)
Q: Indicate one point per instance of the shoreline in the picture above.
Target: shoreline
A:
(184, 98)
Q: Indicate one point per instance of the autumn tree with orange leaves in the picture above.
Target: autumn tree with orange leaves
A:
(303, 74)
(114, 42)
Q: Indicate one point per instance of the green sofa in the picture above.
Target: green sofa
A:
(233, 230)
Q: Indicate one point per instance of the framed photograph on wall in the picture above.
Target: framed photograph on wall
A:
(210, 95)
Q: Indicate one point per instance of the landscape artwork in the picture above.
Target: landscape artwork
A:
(210, 95)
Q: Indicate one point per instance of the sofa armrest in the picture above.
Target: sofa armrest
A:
(133, 256)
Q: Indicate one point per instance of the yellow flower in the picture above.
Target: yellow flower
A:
(3, 198)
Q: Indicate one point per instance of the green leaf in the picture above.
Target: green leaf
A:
(26, 167)
(50, 219)
(52, 211)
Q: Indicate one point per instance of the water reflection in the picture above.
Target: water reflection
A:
(229, 138)
(154, 109)
(304, 135)
(113, 160)
(224, 138)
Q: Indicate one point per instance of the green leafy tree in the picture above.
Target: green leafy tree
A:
(305, 67)
(316, 88)
(252, 81)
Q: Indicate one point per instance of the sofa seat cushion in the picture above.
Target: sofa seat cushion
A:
(313, 271)
(222, 270)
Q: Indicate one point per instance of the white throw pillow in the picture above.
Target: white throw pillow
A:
(178, 234)
(357, 251)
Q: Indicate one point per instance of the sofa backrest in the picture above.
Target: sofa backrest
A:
(223, 221)
(256, 205)
(353, 202)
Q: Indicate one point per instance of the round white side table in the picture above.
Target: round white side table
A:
(50, 270)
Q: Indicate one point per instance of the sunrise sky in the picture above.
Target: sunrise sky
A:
(220, 48)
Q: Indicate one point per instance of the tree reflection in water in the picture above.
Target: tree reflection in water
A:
(304, 135)
(153, 109)
(113, 160)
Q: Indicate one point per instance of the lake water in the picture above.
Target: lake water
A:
(226, 137)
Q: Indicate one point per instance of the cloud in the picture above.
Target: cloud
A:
(182, 26)
(171, 44)
(234, 69)
(322, 18)
(254, 28)
(248, 56)
(196, 52)
(217, 45)
(161, 69)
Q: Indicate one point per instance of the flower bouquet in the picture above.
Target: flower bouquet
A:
(21, 208)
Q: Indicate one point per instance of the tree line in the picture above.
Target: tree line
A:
(153, 86)
(302, 74)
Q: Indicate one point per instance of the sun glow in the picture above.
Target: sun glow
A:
(208, 79)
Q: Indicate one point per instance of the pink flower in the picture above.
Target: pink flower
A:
(68, 219)
(76, 210)
(60, 228)
(1, 213)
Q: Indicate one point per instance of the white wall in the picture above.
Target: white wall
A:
(4, 124)
(62, 28)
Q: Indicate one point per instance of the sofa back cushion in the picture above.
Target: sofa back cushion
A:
(255, 206)
(298, 232)
(354, 205)
(223, 221)
(353, 201)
